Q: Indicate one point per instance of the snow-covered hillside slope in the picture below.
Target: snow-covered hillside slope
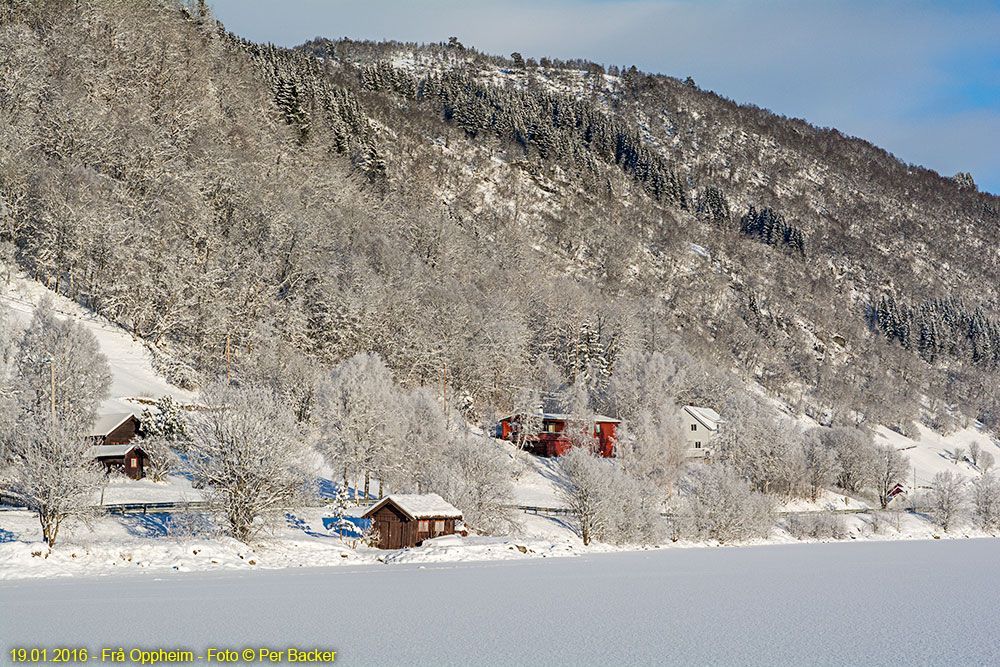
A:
(131, 362)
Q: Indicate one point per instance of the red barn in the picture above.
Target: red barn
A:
(553, 434)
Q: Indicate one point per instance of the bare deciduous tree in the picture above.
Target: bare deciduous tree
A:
(947, 498)
(986, 498)
(889, 469)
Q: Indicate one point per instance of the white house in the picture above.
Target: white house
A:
(700, 426)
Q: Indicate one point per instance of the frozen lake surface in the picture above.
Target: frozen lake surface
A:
(874, 603)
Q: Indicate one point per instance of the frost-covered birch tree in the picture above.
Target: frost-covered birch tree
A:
(59, 379)
(821, 463)
(986, 498)
(356, 409)
(947, 498)
(609, 504)
(475, 475)
(248, 453)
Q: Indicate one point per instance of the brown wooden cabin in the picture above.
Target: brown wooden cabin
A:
(554, 437)
(407, 520)
(117, 429)
(113, 436)
(129, 459)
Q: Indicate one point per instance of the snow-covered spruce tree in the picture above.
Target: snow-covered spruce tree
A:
(889, 468)
(721, 505)
(355, 410)
(164, 431)
(947, 498)
(610, 505)
(475, 475)
(59, 379)
(986, 499)
(247, 451)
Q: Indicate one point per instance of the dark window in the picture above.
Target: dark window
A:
(694, 427)
(697, 445)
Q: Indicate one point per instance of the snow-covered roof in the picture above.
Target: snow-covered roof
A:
(562, 416)
(106, 451)
(708, 417)
(107, 423)
(419, 506)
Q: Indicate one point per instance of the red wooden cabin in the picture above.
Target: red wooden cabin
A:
(406, 520)
(113, 448)
(556, 433)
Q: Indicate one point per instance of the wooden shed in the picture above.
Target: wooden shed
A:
(407, 520)
(129, 459)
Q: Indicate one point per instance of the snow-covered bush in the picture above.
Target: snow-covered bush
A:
(817, 525)
(720, 505)
(610, 505)
(946, 499)
(247, 452)
(163, 430)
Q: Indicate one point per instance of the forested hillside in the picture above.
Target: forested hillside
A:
(522, 224)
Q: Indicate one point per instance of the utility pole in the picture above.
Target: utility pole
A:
(445, 393)
(52, 389)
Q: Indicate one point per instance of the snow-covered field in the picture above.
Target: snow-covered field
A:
(890, 603)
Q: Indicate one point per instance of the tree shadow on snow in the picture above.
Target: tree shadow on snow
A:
(295, 522)
(159, 524)
(7, 536)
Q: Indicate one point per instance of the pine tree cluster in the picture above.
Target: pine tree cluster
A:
(770, 227)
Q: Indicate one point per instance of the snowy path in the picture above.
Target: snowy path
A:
(888, 603)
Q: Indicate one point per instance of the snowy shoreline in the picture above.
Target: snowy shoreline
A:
(116, 547)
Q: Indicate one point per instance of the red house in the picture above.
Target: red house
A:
(553, 434)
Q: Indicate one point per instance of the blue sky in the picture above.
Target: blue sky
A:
(921, 79)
